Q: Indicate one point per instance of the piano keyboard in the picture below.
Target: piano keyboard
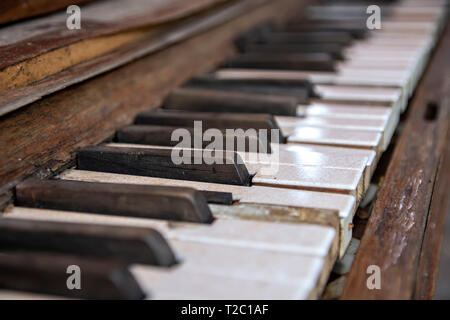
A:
(140, 226)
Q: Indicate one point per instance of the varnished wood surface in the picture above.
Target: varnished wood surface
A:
(13, 10)
(42, 137)
(431, 259)
(395, 232)
(28, 39)
(42, 74)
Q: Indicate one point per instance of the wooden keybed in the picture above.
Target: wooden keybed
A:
(334, 133)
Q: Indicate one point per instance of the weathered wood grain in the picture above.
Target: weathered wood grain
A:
(40, 75)
(42, 137)
(30, 38)
(430, 258)
(13, 10)
(395, 232)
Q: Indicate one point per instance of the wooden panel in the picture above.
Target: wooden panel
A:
(90, 112)
(30, 38)
(436, 236)
(84, 59)
(394, 234)
(13, 10)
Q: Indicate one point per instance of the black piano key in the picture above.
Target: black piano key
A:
(215, 197)
(47, 274)
(283, 61)
(301, 89)
(162, 136)
(357, 30)
(213, 100)
(335, 50)
(129, 244)
(158, 202)
(213, 120)
(226, 167)
(318, 37)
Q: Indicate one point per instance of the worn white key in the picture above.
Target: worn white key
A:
(386, 127)
(231, 248)
(256, 202)
(288, 123)
(247, 263)
(346, 181)
(366, 95)
(336, 78)
(335, 157)
(333, 87)
(179, 284)
(286, 155)
(272, 173)
(294, 238)
(338, 137)
(330, 110)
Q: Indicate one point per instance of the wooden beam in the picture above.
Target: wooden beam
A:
(394, 235)
(68, 63)
(28, 39)
(13, 10)
(430, 258)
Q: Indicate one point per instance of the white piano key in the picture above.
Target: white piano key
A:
(387, 96)
(181, 284)
(330, 110)
(295, 238)
(338, 137)
(386, 127)
(272, 173)
(346, 181)
(256, 202)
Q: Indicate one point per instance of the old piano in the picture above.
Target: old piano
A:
(316, 164)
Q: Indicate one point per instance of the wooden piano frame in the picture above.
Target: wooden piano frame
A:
(404, 233)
